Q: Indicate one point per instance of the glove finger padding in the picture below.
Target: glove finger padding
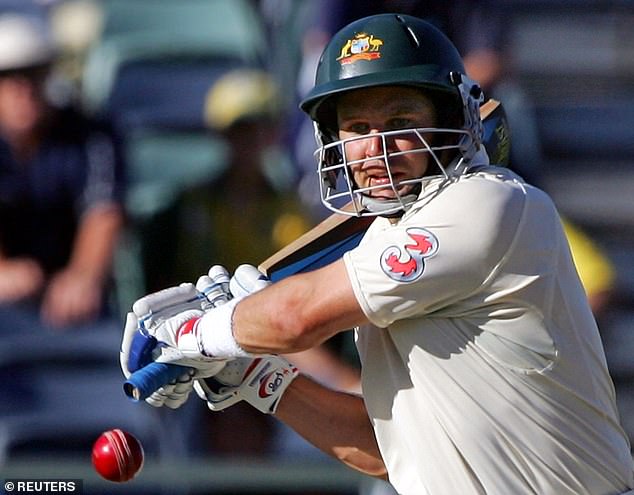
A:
(246, 280)
(259, 381)
(173, 395)
(159, 316)
(164, 304)
(179, 340)
(214, 286)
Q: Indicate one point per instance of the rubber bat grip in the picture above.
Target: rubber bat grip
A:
(145, 381)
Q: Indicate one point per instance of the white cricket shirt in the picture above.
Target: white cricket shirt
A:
(483, 369)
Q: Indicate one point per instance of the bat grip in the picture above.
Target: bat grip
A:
(145, 381)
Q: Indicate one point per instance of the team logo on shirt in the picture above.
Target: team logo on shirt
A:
(405, 263)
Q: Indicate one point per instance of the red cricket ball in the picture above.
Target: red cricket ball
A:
(117, 455)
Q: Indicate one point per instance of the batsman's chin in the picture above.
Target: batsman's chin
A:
(389, 193)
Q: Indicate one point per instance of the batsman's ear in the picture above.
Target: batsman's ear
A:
(130, 329)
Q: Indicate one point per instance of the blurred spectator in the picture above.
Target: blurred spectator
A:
(251, 210)
(76, 25)
(595, 269)
(60, 210)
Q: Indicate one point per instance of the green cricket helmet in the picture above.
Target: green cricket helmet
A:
(388, 50)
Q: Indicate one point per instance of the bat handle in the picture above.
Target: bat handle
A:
(145, 381)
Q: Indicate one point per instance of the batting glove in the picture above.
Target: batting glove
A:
(259, 381)
(172, 395)
(214, 332)
(157, 321)
(175, 394)
(246, 280)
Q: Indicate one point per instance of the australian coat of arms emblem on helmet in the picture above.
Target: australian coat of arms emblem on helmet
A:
(363, 46)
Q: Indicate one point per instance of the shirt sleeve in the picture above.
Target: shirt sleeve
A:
(104, 172)
(438, 255)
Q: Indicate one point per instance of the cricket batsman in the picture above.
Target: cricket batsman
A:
(483, 371)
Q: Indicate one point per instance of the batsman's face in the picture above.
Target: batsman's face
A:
(366, 113)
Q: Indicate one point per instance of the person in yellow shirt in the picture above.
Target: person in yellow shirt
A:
(596, 270)
(251, 210)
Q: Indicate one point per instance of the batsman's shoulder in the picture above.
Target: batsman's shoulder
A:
(491, 187)
(497, 175)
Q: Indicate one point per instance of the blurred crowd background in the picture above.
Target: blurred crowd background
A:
(143, 140)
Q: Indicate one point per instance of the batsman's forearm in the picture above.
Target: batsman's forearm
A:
(335, 422)
(297, 313)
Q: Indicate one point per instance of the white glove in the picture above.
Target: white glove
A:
(246, 280)
(171, 317)
(155, 322)
(173, 395)
(214, 333)
(259, 381)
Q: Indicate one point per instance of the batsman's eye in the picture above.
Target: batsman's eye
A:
(399, 123)
(359, 128)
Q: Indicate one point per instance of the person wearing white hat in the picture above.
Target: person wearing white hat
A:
(60, 188)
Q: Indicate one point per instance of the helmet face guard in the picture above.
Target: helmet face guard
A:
(335, 169)
(392, 50)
